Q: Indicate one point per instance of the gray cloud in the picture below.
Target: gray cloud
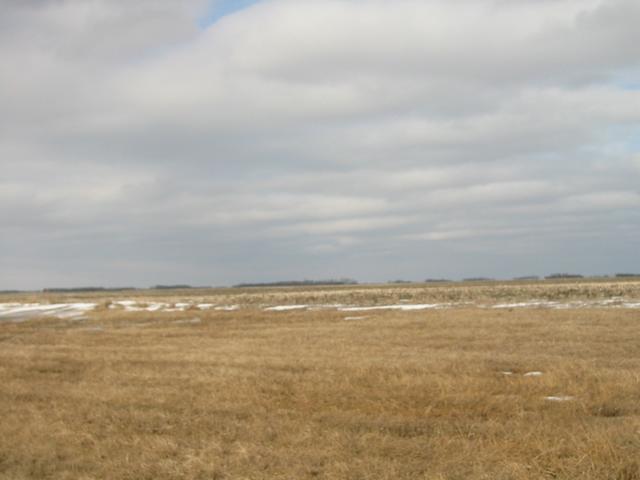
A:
(292, 139)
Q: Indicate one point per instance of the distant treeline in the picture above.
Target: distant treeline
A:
(114, 289)
(299, 283)
(302, 283)
(556, 276)
(86, 289)
(172, 287)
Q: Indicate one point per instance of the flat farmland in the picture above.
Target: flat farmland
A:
(487, 381)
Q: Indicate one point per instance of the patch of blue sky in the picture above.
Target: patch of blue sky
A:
(634, 143)
(629, 79)
(630, 85)
(622, 139)
(219, 9)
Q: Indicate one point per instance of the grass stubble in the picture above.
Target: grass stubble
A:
(306, 394)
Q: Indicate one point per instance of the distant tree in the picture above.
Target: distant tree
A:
(299, 283)
(556, 276)
(73, 289)
(86, 289)
(171, 287)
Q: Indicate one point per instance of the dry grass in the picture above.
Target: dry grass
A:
(257, 395)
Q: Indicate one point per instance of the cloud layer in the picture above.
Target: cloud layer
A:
(311, 139)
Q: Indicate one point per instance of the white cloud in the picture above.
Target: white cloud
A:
(350, 129)
(343, 226)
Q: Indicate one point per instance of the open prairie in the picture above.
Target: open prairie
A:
(514, 380)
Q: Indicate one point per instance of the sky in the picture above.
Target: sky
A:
(212, 143)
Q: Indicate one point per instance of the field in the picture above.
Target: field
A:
(547, 385)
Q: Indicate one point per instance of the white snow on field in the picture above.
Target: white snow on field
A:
(615, 302)
(122, 303)
(561, 398)
(330, 306)
(611, 301)
(77, 311)
(154, 307)
(403, 307)
(531, 304)
(228, 308)
(10, 306)
(22, 311)
(528, 374)
(125, 303)
(355, 318)
(313, 307)
(134, 306)
(285, 308)
(17, 311)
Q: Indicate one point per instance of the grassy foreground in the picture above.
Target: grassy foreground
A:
(307, 394)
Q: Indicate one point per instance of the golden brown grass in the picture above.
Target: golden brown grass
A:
(261, 395)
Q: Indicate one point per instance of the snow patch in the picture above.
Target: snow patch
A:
(285, 308)
(531, 304)
(71, 311)
(228, 308)
(561, 398)
(325, 306)
(125, 303)
(614, 302)
(403, 307)
(134, 306)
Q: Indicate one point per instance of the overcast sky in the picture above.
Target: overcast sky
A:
(210, 143)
